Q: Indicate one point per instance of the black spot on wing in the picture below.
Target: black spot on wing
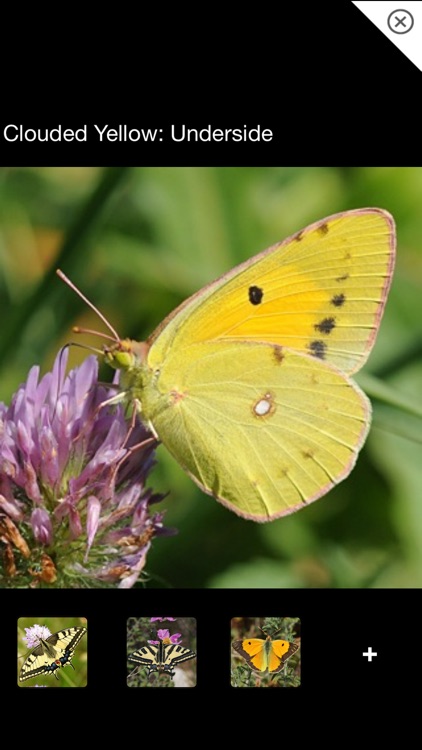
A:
(326, 325)
(255, 295)
(338, 300)
(342, 278)
(318, 349)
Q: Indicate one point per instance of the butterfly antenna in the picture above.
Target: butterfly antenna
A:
(270, 634)
(78, 329)
(85, 346)
(72, 286)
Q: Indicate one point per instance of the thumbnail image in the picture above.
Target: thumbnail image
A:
(161, 651)
(265, 652)
(53, 643)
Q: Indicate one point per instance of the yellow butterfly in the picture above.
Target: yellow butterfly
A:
(247, 382)
(265, 656)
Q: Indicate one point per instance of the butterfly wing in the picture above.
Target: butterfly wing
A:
(321, 292)
(253, 651)
(280, 651)
(263, 429)
(174, 654)
(52, 653)
(147, 656)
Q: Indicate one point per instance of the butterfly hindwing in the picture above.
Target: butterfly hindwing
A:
(265, 655)
(52, 653)
(161, 658)
(287, 428)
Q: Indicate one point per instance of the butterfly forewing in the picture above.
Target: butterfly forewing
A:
(321, 292)
(52, 653)
(175, 654)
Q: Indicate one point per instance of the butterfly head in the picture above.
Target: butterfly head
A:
(125, 354)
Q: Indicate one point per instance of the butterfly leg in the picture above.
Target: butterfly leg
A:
(143, 444)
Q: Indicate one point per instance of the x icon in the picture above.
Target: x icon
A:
(400, 24)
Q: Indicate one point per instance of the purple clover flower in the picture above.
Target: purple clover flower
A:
(34, 634)
(74, 509)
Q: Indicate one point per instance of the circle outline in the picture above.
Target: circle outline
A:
(401, 10)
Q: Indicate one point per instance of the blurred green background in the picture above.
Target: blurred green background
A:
(137, 242)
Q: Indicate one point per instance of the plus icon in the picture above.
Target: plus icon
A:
(369, 653)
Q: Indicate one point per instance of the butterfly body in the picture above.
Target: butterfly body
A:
(52, 653)
(265, 656)
(162, 657)
(247, 383)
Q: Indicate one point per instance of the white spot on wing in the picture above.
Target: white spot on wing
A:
(264, 405)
